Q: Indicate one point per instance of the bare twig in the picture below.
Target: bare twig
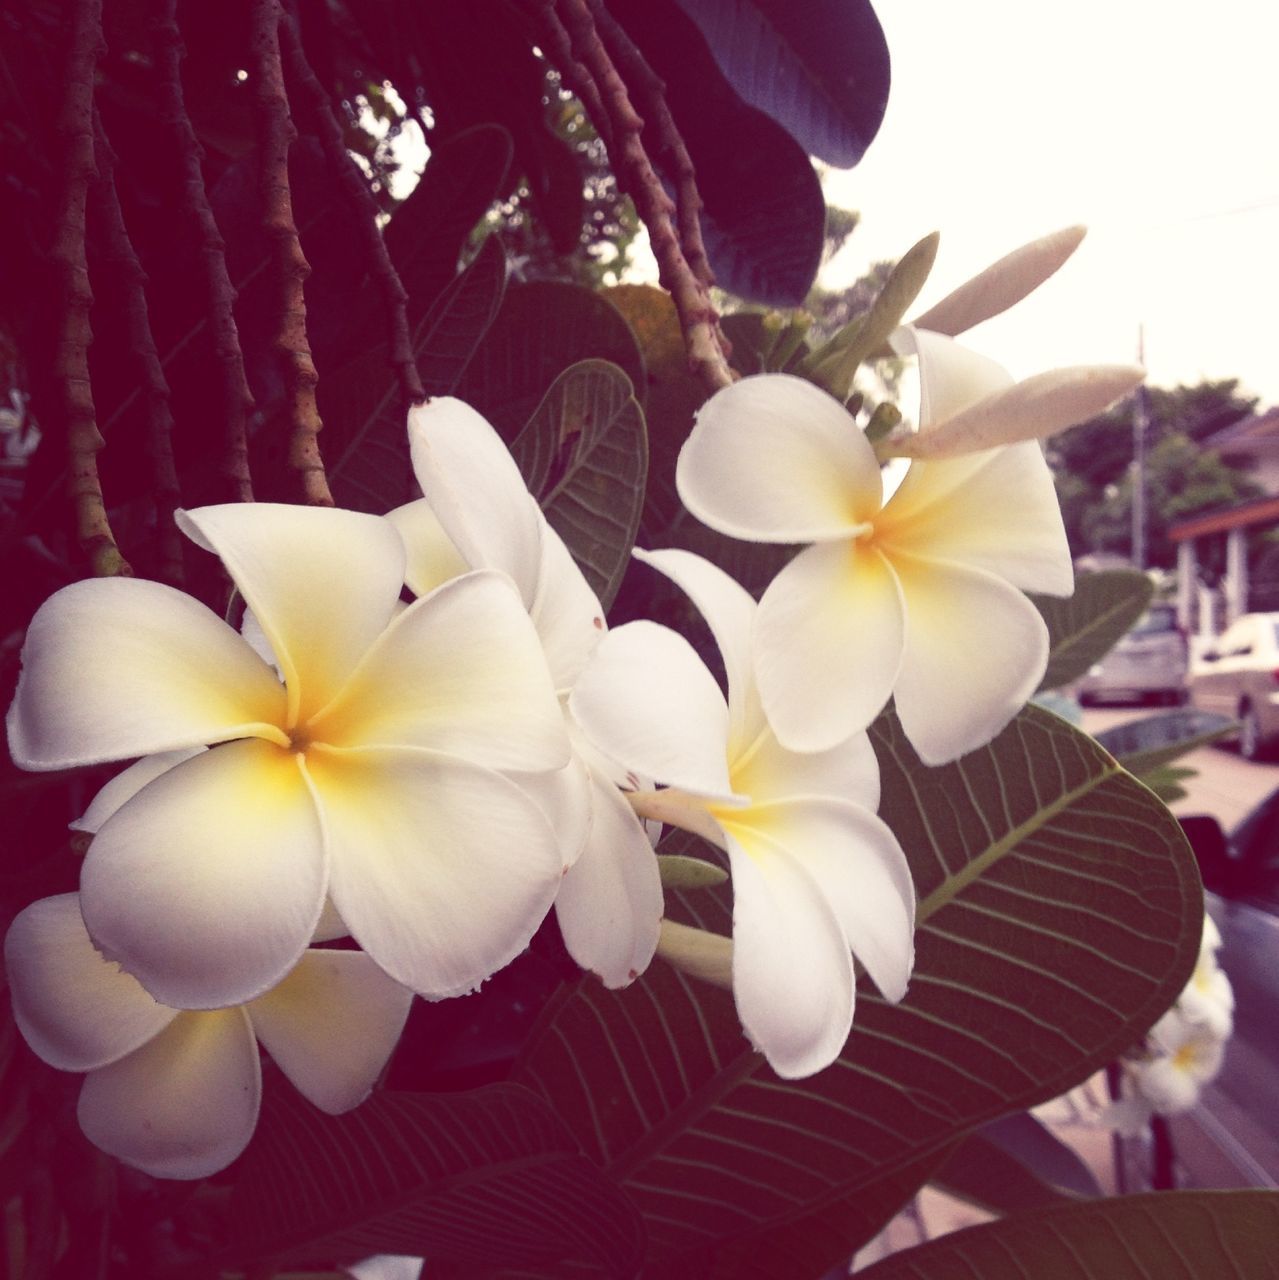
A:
(276, 133)
(119, 251)
(71, 362)
(307, 89)
(237, 399)
(560, 50)
(650, 94)
(636, 175)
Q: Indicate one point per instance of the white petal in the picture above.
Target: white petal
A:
(951, 377)
(459, 671)
(792, 971)
(442, 870)
(565, 611)
(208, 884)
(859, 869)
(828, 643)
(322, 584)
(120, 667)
(672, 807)
(331, 1025)
(1002, 284)
(432, 558)
(775, 459)
(848, 770)
(730, 613)
(76, 1010)
(126, 784)
(976, 650)
(386, 1266)
(476, 491)
(647, 701)
(1166, 1087)
(565, 798)
(609, 906)
(182, 1106)
(996, 511)
(1033, 409)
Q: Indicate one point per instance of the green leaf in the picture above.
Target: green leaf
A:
(541, 329)
(776, 346)
(365, 429)
(1060, 914)
(1146, 746)
(834, 365)
(584, 456)
(1084, 627)
(680, 872)
(1196, 1234)
(486, 1178)
(1166, 781)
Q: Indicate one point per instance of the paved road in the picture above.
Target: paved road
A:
(1226, 786)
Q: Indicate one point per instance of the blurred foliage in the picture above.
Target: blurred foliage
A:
(1092, 463)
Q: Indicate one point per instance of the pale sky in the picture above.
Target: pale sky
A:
(1151, 121)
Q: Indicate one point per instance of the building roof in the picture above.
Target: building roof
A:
(1258, 511)
(1258, 433)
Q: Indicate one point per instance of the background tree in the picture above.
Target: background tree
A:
(1093, 461)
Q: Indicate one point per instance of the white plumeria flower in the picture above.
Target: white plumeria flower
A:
(919, 597)
(1209, 999)
(815, 873)
(1189, 1056)
(478, 514)
(176, 1093)
(386, 1266)
(370, 774)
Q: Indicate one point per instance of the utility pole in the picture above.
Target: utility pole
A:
(1140, 429)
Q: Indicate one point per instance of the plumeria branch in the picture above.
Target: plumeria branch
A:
(276, 133)
(237, 399)
(71, 363)
(363, 208)
(119, 251)
(583, 21)
(648, 91)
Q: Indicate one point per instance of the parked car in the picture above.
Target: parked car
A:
(1239, 676)
(1148, 663)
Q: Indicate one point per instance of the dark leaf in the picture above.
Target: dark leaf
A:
(1182, 1233)
(820, 69)
(1015, 1163)
(584, 455)
(428, 232)
(1060, 914)
(488, 1178)
(541, 329)
(365, 430)
(763, 214)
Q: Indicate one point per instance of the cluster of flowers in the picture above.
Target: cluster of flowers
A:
(429, 779)
(1183, 1051)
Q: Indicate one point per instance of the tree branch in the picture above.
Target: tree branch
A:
(71, 361)
(119, 251)
(276, 133)
(635, 173)
(650, 93)
(308, 90)
(237, 399)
